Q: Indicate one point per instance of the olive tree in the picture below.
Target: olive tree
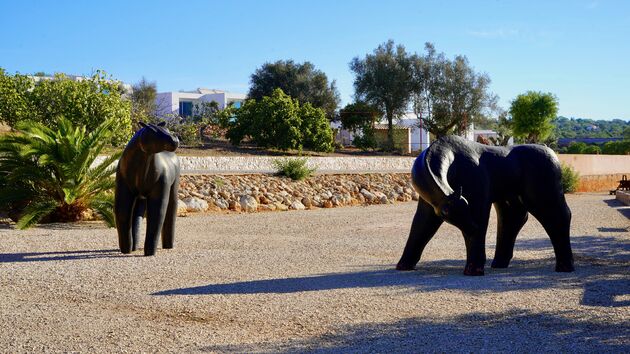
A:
(448, 95)
(384, 79)
(533, 114)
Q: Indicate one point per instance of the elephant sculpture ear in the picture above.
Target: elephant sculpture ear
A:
(161, 124)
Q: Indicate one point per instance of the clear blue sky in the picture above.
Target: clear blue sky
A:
(576, 49)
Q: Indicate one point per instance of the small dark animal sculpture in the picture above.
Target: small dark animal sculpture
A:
(147, 178)
(458, 181)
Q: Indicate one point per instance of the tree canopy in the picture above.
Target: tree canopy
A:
(143, 107)
(359, 117)
(448, 95)
(533, 114)
(384, 79)
(301, 81)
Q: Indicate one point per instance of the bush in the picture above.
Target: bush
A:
(366, 140)
(46, 175)
(295, 169)
(279, 122)
(570, 179)
(617, 148)
(576, 147)
(592, 149)
(317, 134)
(87, 102)
(188, 133)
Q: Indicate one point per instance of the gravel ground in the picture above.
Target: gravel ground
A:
(319, 280)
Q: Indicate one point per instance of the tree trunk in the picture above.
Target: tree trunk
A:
(390, 133)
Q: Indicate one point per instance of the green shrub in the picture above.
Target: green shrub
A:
(46, 174)
(570, 179)
(188, 133)
(87, 102)
(295, 169)
(616, 148)
(316, 131)
(279, 122)
(366, 141)
(592, 149)
(576, 147)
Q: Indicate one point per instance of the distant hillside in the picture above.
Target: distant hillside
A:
(589, 128)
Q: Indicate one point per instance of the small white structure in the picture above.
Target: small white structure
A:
(473, 135)
(419, 138)
(183, 103)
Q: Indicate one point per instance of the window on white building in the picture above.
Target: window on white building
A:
(185, 109)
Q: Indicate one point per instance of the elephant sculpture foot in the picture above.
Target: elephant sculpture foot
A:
(404, 267)
(500, 263)
(473, 270)
(565, 267)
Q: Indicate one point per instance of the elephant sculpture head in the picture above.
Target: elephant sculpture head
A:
(456, 211)
(156, 138)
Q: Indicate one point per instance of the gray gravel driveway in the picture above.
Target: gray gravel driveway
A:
(320, 281)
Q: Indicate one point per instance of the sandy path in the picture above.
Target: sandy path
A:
(314, 280)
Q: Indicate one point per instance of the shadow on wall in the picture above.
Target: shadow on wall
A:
(514, 331)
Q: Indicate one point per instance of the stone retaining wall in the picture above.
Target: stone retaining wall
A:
(260, 192)
(623, 196)
(264, 164)
(601, 183)
(597, 172)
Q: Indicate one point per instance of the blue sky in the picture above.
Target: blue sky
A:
(578, 49)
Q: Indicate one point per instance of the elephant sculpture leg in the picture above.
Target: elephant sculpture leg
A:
(156, 211)
(424, 226)
(510, 220)
(138, 213)
(123, 206)
(475, 240)
(556, 219)
(168, 230)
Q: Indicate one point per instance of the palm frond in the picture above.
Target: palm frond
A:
(54, 166)
(103, 205)
(35, 211)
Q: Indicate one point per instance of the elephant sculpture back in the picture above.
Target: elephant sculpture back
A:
(147, 180)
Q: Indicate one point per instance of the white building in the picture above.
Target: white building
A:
(182, 103)
(419, 138)
(474, 134)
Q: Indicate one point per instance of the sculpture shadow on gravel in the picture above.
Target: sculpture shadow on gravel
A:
(604, 261)
(513, 331)
(58, 256)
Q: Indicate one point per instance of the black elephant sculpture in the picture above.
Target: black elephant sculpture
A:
(458, 182)
(147, 179)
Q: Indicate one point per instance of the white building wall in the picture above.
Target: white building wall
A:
(168, 102)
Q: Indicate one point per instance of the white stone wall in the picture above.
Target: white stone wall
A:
(264, 164)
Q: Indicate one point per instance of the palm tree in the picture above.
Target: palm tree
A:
(46, 174)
